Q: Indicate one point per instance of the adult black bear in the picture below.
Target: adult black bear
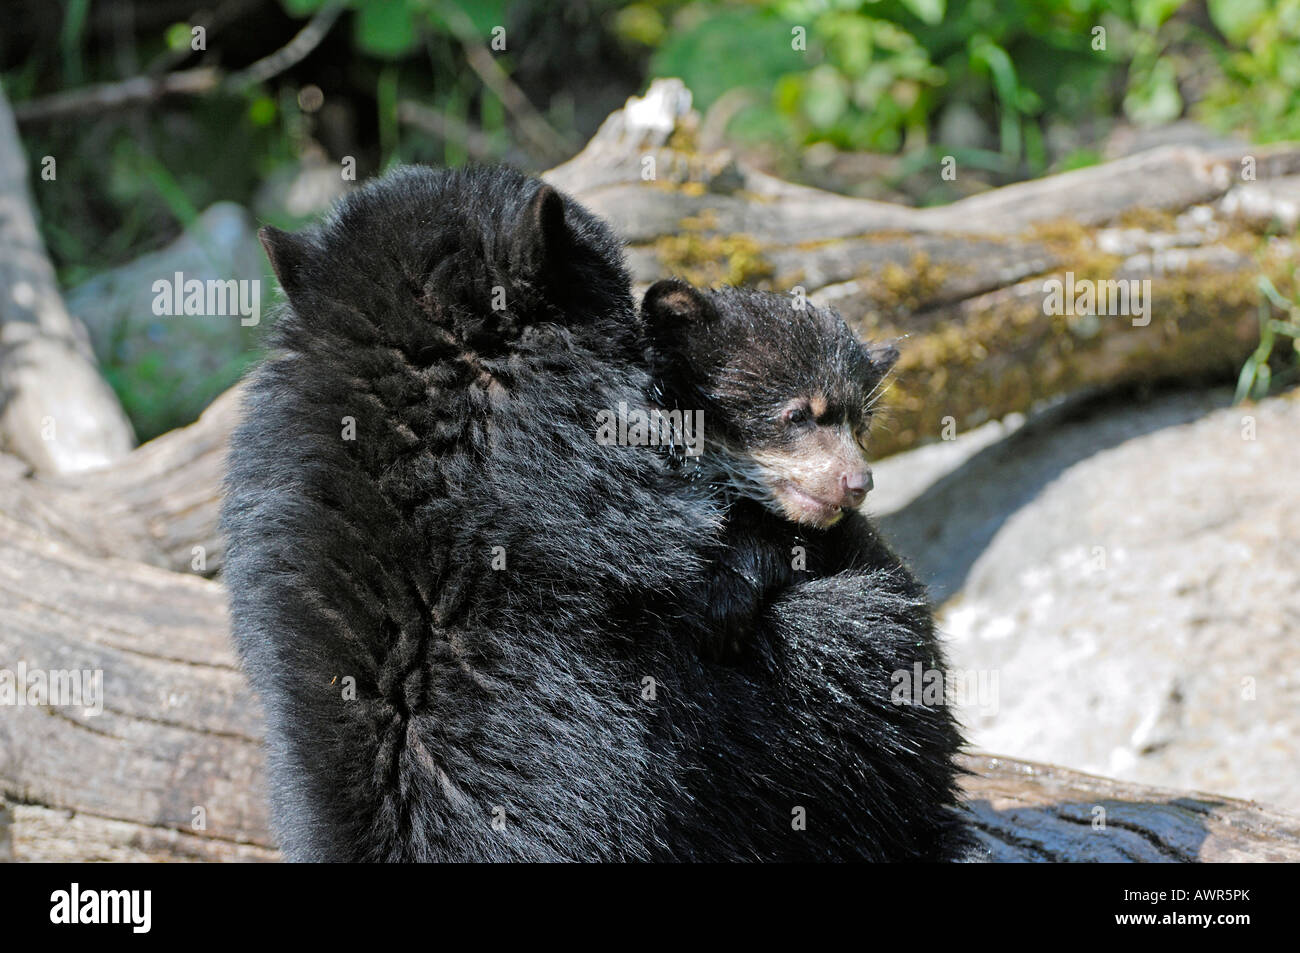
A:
(476, 630)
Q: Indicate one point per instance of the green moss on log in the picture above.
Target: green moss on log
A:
(707, 258)
(1001, 353)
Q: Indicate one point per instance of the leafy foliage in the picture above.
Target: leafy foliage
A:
(1257, 379)
(879, 74)
(1260, 86)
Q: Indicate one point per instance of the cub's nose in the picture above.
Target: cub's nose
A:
(855, 485)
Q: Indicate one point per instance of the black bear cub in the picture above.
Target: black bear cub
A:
(802, 592)
(787, 395)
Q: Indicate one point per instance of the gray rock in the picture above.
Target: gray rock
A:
(1274, 203)
(1132, 580)
(166, 369)
(942, 504)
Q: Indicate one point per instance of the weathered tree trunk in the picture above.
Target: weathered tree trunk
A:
(56, 411)
(107, 569)
(1037, 812)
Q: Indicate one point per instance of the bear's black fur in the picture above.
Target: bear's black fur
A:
(822, 582)
(424, 705)
(788, 392)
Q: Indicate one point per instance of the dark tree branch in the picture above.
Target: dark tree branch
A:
(142, 90)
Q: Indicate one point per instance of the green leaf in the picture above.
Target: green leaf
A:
(1263, 380)
(928, 11)
(301, 8)
(177, 36)
(1246, 380)
(1237, 19)
(387, 28)
(483, 14)
(640, 23)
(1154, 99)
(261, 111)
(850, 39)
(736, 47)
(984, 52)
(824, 99)
(1152, 13)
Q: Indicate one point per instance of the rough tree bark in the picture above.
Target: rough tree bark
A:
(56, 411)
(110, 569)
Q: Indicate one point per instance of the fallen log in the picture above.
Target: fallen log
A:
(171, 766)
(56, 411)
(158, 506)
(1035, 813)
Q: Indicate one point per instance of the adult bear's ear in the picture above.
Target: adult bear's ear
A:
(671, 305)
(540, 233)
(288, 254)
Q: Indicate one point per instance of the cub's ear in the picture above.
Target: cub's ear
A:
(540, 233)
(671, 304)
(883, 357)
(288, 254)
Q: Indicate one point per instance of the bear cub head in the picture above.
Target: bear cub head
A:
(787, 394)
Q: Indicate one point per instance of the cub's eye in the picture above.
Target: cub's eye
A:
(797, 415)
